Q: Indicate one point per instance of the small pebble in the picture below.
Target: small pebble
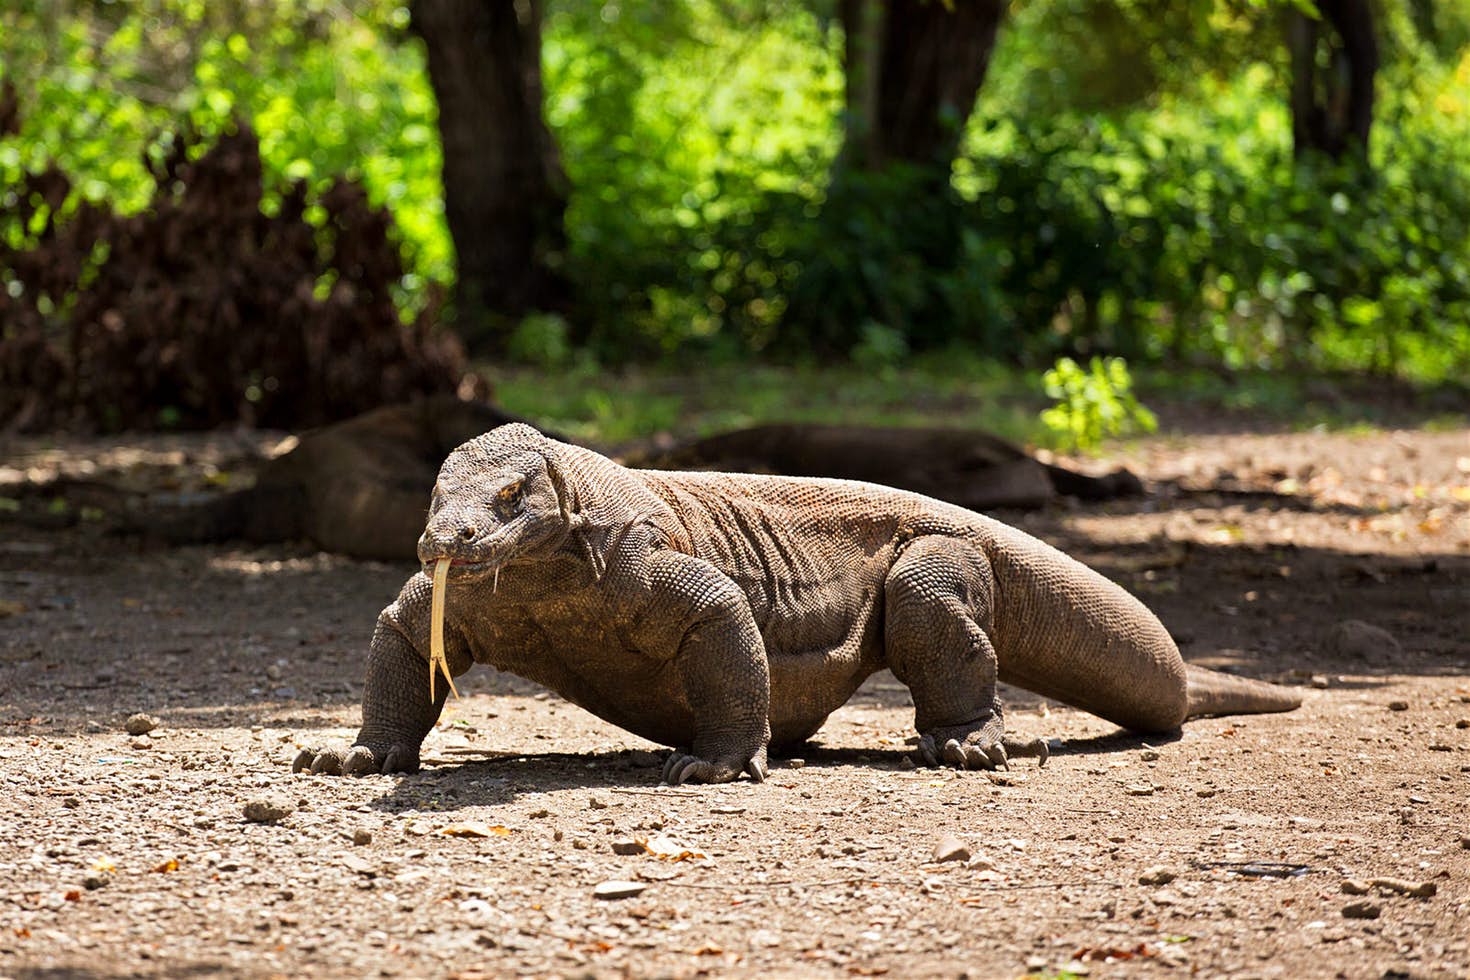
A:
(609, 890)
(1398, 706)
(795, 763)
(140, 724)
(362, 836)
(93, 882)
(273, 672)
(267, 811)
(1320, 682)
(1354, 886)
(950, 848)
(1463, 723)
(596, 804)
(1157, 875)
(142, 742)
(1361, 910)
(1139, 790)
(627, 845)
(1205, 794)
(1149, 755)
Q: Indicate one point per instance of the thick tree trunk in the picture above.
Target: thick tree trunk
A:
(913, 69)
(504, 188)
(1334, 62)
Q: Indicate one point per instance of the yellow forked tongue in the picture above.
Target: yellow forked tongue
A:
(437, 661)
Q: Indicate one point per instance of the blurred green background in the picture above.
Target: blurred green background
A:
(1127, 183)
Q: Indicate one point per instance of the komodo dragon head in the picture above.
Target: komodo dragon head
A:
(498, 499)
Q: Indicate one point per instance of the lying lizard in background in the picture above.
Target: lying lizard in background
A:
(726, 613)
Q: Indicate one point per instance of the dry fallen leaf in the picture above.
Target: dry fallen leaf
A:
(172, 864)
(666, 849)
(104, 866)
(475, 828)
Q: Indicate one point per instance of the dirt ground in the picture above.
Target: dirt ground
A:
(130, 855)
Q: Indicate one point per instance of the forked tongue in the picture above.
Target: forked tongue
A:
(437, 660)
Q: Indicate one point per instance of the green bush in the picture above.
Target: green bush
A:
(1092, 405)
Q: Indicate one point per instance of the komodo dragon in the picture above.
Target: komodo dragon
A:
(725, 613)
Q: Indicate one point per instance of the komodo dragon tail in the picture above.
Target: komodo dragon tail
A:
(1214, 693)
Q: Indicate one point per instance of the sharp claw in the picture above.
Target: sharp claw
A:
(1043, 752)
(954, 754)
(997, 757)
(686, 772)
(926, 752)
(668, 775)
(327, 763)
(757, 771)
(975, 758)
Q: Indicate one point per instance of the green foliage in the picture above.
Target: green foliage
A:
(329, 88)
(543, 340)
(1154, 212)
(1093, 404)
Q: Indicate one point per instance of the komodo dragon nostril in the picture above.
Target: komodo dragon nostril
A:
(469, 532)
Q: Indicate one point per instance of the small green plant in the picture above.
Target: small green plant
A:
(1092, 404)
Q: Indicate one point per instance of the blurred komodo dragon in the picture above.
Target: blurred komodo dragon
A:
(725, 613)
(356, 488)
(964, 467)
(360, 487)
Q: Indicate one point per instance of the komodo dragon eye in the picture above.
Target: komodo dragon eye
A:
(509, 496)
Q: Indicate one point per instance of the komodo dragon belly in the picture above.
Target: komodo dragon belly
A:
(816, 663)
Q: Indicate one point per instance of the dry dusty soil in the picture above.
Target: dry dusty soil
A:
(1235, 848)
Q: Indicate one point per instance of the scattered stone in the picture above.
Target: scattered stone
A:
(1354, 886)
(540, 814)
(1206, 793)
(71, 802)
(267, 811)
(611, 890)
(1357, 640)
(1414, 889)
(362, 836)
(1465, 842)
(795, 763)
(1320, 682)
(950, 848)
(94, 882)
(273, 672)
(140, 724)
(1159, 874)
(1361, 910)
(726, 809)
(627, 846)
(1463, 723)
(142, 742)
(1398, 706)
(1138, 789)
(357, 865)
(595, 804)
(1149, 755)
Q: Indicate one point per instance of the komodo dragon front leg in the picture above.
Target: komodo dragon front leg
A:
(397, 712)
(938, 613)
(699, 617)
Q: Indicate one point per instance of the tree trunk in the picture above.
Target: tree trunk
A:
(504, 188)
(913, 70)
(1333, 62)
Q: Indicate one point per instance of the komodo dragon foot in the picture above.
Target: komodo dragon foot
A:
(963, 748)
(682, 767)
(359, 760)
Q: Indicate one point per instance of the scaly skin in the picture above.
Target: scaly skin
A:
(726, 613)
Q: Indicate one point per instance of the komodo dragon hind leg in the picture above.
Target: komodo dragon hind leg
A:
(937, 606)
